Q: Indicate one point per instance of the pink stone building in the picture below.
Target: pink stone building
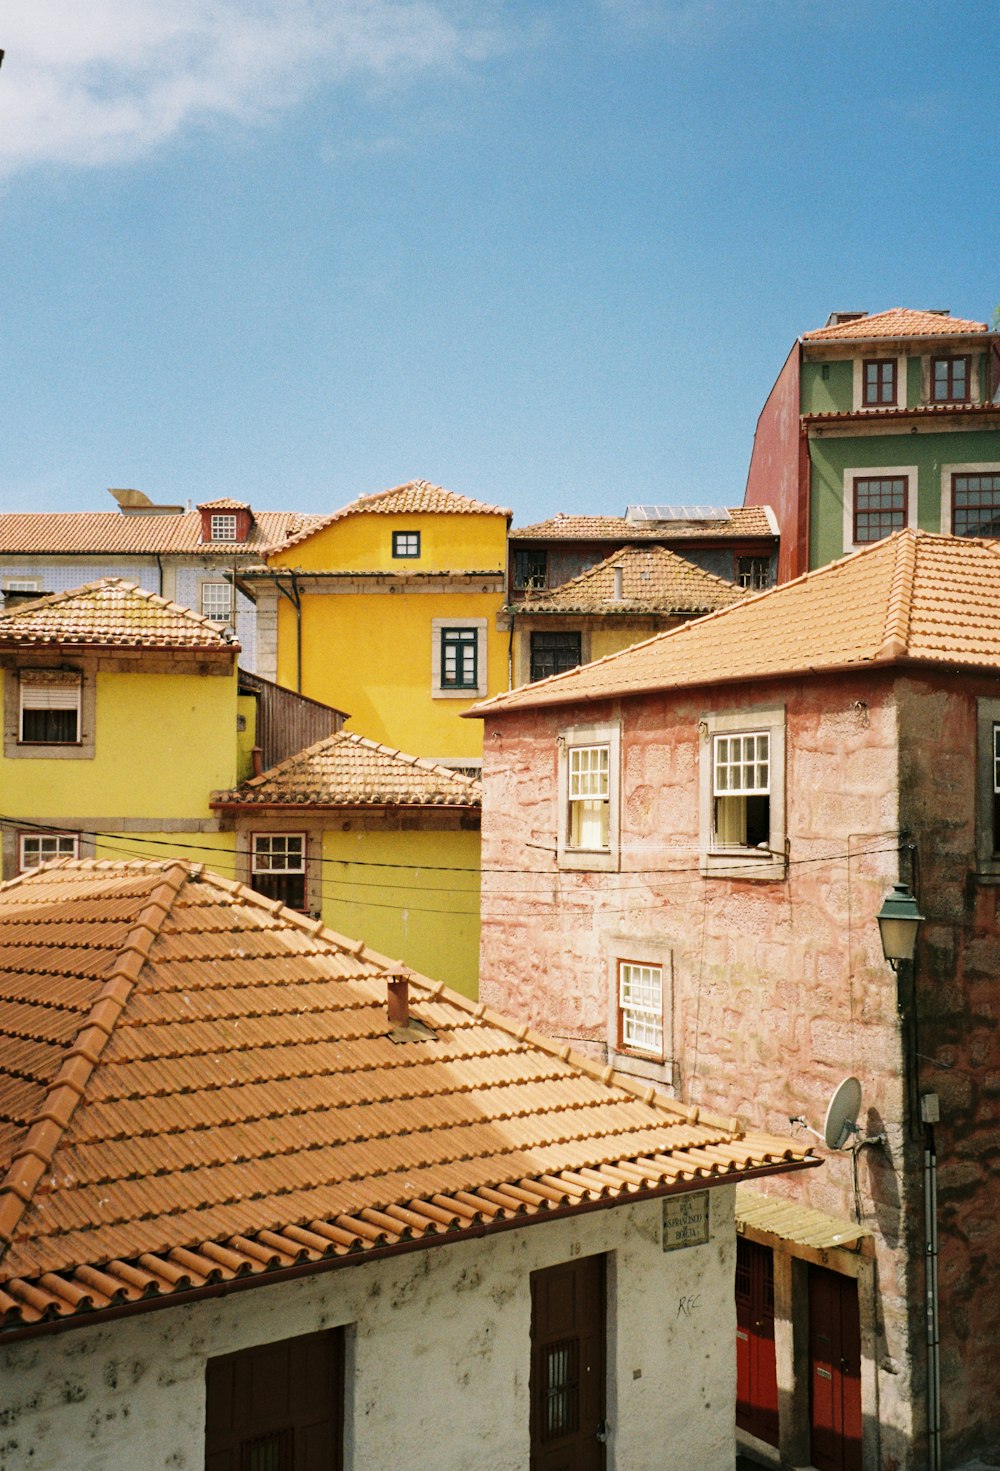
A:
(685, 850)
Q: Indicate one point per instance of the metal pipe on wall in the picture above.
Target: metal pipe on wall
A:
(931, 1290)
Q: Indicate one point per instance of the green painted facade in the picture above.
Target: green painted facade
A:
(827, 387)
(830, 457)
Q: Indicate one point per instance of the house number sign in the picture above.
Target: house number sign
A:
(685, 1220)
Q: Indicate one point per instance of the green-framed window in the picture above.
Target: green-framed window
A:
(459, 659)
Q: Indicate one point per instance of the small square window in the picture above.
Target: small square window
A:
(880, 506)
(753, 573)
(36, 848)
(278, 867)
(406, 543)
(222, 528)
(640, 1008)
(950, 379)
(50, 709)
(879, 382)
(460, 659)
(554, 653)
(531, 568)
(590, 798)
(217, 601)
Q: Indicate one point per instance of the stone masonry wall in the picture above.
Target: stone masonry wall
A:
(779, 988)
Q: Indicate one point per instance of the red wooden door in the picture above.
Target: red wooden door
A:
(834, 1371)
(756, 1368)
(279, 1407)
(567, 1383)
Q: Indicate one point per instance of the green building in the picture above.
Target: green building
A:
(876, 423)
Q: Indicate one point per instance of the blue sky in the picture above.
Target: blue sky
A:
(551, 255)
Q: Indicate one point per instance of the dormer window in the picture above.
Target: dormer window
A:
(950, 378)
(879, 383)
(225, 520)
(222, 528)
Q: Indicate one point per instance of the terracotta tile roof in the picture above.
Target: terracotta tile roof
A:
(109, 612)
(199, 1085)
(984, 411)
(416, 497)
(897, 322)
(225, 503)
(96, 533)
(654, 580)
(743, 521)
(915, 596)
(346, 770)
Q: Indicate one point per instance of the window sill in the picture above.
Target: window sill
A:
(639, 1065)
(476, 692)
(589, 860)
(742, 863)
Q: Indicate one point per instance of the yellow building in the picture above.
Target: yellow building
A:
(375, 843)
(388, 609)
(119, 719)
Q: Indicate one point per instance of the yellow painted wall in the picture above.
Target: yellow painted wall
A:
(217, 851)
(363, 543)
(370, 653)
(162, 743)
(418, 909)
(246, 739)
(606, 639)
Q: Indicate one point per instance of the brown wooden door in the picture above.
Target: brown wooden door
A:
(568, 1367)
(279, 1407)
(834, 1371)
(756, 1367)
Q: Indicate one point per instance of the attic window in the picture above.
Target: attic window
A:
(222, 527)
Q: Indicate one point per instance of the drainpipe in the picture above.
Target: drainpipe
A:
(933, 1333)
(510, 653)
(296, 603)
(159, 563)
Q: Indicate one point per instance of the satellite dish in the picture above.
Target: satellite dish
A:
(842, 1114)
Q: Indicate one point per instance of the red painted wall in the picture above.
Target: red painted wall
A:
(774, 476)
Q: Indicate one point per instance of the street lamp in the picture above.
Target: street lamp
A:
(898, 922)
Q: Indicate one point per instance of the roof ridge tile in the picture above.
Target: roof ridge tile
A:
(35, 1153)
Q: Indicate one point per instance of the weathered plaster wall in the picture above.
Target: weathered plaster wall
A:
(773, 474)
(437, 1361)
(779, 988)
(959, 1036)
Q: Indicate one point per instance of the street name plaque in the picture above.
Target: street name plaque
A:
(685, 1220)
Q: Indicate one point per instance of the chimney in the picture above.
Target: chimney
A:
(398, 999)
(257, 758)
(617, 592)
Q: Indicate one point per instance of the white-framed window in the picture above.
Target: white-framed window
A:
(640, 1008)
(222, 526)
(49, 708)
(278, 867)
(742, 793)
(217, 601)
(878, 500)
(36, 848)
(588, 795)
(741, 790)
(458, 658)
(22, 584)
(589, 798)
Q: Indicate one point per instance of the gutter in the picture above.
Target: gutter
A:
(398, 1248)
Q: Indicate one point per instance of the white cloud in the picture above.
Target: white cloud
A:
(107, 81)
